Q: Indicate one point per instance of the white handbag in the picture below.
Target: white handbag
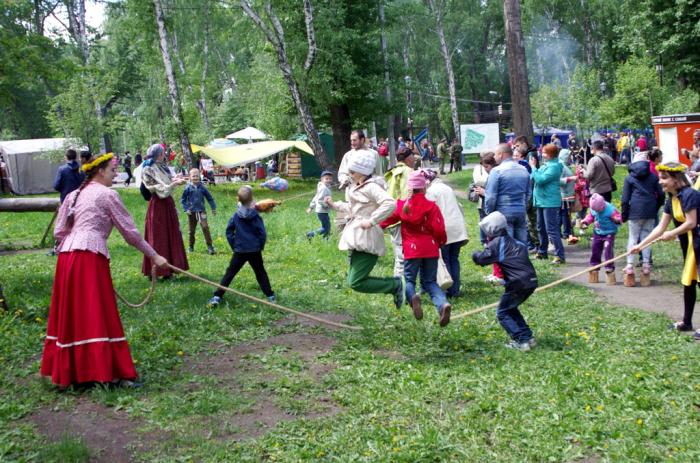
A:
(444, 280)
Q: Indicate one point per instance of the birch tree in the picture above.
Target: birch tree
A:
(172, 84)
(274, 33)
(437, 7)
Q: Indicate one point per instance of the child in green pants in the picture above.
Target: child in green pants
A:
(368, 204)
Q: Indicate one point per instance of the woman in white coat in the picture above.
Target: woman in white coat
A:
(455, 226)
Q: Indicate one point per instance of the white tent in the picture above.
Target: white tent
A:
(30, 169)
(249, 133)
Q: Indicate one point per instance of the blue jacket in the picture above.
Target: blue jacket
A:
(245, 231)
(68, 178)
(546, 179)
(193, 198)
(507, 189)
(512, 256)
(642, 195)
(604, 224)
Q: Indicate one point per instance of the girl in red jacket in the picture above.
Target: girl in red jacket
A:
(422, 232)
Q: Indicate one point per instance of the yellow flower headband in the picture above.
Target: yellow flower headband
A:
(666, 168)
(91, 165)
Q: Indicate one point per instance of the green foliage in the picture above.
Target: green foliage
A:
(685, 101)
(638, 95)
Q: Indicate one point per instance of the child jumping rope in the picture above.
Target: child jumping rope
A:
(520, 276)
(422, 234)
(367, 205)
(246, 235)
(606, 220)
(681, 207)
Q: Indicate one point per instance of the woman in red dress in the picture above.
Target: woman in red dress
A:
(84, 336)
(162, 229)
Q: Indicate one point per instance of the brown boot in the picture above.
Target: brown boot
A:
(445, 314)
(645, 277)
(610, 278)
(628, 280)
(593, 276)
(416, 306)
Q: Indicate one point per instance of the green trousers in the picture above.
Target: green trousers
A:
(361, 265)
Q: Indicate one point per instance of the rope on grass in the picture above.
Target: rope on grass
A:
(154, 278)
(554, 283)
(265, 302)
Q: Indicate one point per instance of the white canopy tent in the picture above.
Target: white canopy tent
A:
(30, 168)
(249, 133)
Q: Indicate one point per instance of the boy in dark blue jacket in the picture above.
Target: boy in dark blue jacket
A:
(246, 235)
(521, 280)
(69, 176)
(193, 204)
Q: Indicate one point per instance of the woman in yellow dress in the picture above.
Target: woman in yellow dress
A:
(681, 207)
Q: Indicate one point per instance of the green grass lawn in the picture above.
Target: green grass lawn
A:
(604, 383)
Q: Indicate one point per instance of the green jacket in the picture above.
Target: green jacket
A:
(546, 181)
(397, 181)
(443, 151)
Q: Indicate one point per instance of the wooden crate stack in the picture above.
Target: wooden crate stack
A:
(294, 165)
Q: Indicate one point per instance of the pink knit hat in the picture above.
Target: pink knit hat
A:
(416, 180)
(597, 202)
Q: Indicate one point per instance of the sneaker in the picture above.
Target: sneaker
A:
(680, 326)
(272, 298)
(310, 235)
(416, 306)
(540, 256)
(494, 280)
(558, 261)
(214, 301)
(399, 296)
(211, 251)
(521, 346)
(696, 335)
(445, 311)
(629, 269)
(646, 269)
(190, 249)
(532, 250)
(532, 342)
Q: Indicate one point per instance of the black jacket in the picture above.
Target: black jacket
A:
(642, 195)
(513, 259)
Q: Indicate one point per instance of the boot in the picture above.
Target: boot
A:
(610, 278)
(645, 277)
(628, 276)
(593, 276)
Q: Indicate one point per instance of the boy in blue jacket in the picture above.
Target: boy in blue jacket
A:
(246, 235)
(193, 204)
(521, 279)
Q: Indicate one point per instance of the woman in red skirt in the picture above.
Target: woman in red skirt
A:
(84, 338)
(162, 226)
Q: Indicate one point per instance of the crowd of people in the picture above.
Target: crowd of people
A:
(525, 200)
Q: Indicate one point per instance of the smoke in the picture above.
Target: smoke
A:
(552, 53)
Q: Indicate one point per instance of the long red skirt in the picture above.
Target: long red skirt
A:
(84, 336)
(163, 233)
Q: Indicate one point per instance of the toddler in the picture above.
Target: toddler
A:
(318, 203)
(606, 220)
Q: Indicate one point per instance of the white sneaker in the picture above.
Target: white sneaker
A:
(521, 346)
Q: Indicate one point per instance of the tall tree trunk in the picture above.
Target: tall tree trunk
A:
(387, 86)
(172, 84)
(276, 38)
(202, 104)
(340, 121)
(517, 70)
(438, 7)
